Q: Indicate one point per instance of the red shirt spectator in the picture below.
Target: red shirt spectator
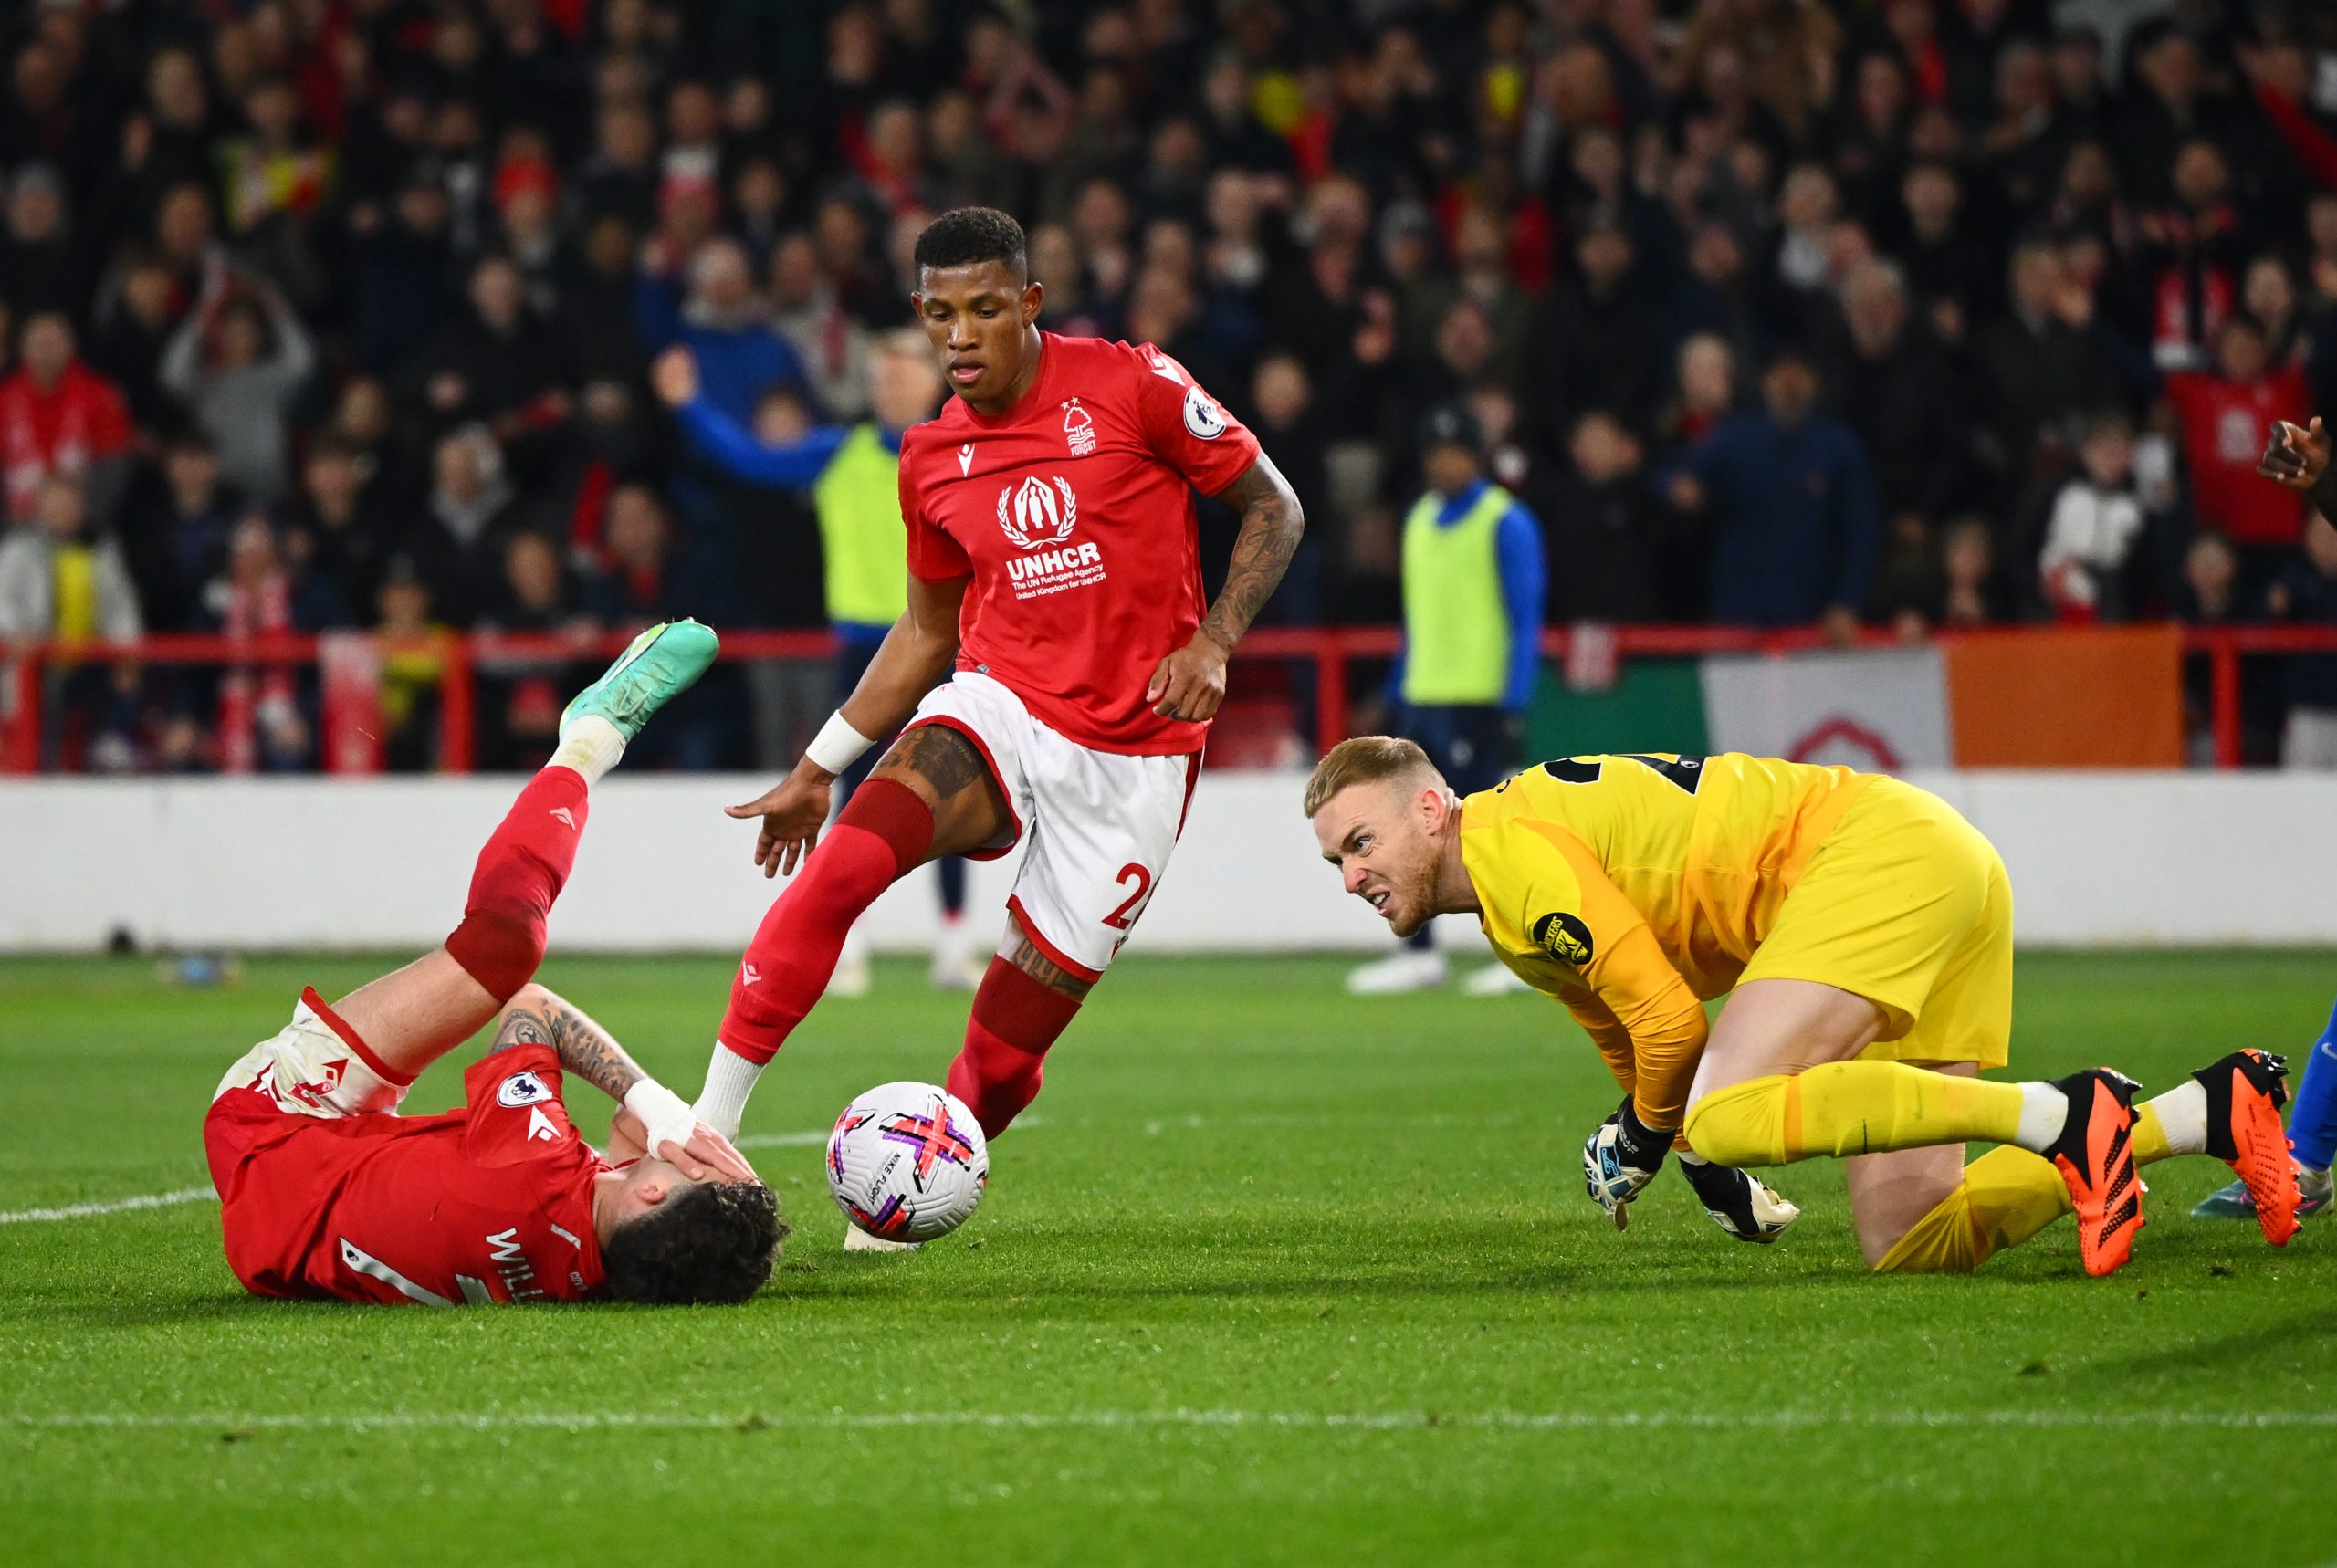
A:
(2225, 413)
(57, 415)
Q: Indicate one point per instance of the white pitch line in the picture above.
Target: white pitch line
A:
(1305, 1420)
(779, 1140)
(113, 1206)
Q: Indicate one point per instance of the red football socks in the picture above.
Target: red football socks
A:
(1015, 1020)
(885, 831)
(520, 873)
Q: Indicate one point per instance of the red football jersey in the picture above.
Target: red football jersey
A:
(2223, 435)
(489, 1203)
(1073, 513)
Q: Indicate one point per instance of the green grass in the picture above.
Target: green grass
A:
(1275, 1277)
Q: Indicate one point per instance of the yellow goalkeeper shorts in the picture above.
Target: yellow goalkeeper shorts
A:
(1906, 904)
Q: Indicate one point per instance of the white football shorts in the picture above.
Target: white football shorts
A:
(316, 1067)
(1099, 825)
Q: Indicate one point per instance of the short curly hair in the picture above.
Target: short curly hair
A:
(712, 1243)
(966, 237)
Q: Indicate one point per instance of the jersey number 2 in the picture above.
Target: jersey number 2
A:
(1122, 918)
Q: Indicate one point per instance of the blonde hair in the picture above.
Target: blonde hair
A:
(1366, 759)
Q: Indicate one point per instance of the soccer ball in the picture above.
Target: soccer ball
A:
(907, 1162)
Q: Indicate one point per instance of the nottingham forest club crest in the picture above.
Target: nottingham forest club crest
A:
(1078, 429)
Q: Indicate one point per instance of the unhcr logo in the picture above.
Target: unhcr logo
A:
(1033, 514)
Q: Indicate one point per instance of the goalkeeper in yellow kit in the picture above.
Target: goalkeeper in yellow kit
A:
(1862, 932)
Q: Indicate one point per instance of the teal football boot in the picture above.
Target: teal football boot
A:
(657, 666)
(2314, 1190)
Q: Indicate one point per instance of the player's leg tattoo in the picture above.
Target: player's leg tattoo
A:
(949, 772)
(939, 755)
(1026, 957)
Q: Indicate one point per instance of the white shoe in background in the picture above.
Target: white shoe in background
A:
(1410, 970)
(1493, 981)
(855, 976)
(954, 967)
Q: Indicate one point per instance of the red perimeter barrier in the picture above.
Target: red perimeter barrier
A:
(1329, 649)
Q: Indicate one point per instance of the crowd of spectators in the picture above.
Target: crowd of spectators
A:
(1911, 313)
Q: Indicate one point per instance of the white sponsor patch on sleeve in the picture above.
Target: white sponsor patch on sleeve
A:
(522, 1089)
(1202, 416)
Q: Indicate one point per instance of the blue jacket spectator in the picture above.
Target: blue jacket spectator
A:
(1791, 505)
(740, 355)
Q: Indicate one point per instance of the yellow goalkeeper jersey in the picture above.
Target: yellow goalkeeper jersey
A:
(1634, 888)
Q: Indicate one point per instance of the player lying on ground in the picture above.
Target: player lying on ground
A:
(325, 1191)
(1863, 931)
(1053, 563)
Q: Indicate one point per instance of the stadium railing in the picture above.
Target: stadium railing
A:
(459, 660)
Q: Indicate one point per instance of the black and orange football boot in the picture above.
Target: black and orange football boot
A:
(2095, 1155)
(2245, 1094)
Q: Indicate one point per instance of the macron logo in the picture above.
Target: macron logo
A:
(561, 812)
(966, 459)
(748, 975)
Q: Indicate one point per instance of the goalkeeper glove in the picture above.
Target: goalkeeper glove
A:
(1746, 1208)
(1620, 1159)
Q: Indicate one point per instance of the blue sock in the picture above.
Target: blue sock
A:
(2312, 1119)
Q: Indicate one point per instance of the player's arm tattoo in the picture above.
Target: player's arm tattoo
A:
(583, 1046)
(518, 1027)
(1271, 524)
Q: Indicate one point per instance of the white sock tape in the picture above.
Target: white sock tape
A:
(837, 746)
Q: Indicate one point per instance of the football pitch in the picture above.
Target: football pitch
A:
(1270, 1275)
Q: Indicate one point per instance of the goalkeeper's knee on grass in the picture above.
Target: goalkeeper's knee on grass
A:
(2006, 1196)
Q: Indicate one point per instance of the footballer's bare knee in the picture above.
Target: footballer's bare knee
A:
(1892, 1193)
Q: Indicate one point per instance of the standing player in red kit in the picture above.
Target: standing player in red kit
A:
(1053, 565)
(325, 1191)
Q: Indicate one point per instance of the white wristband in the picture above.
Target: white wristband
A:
(837, 746)
(665, 1116)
